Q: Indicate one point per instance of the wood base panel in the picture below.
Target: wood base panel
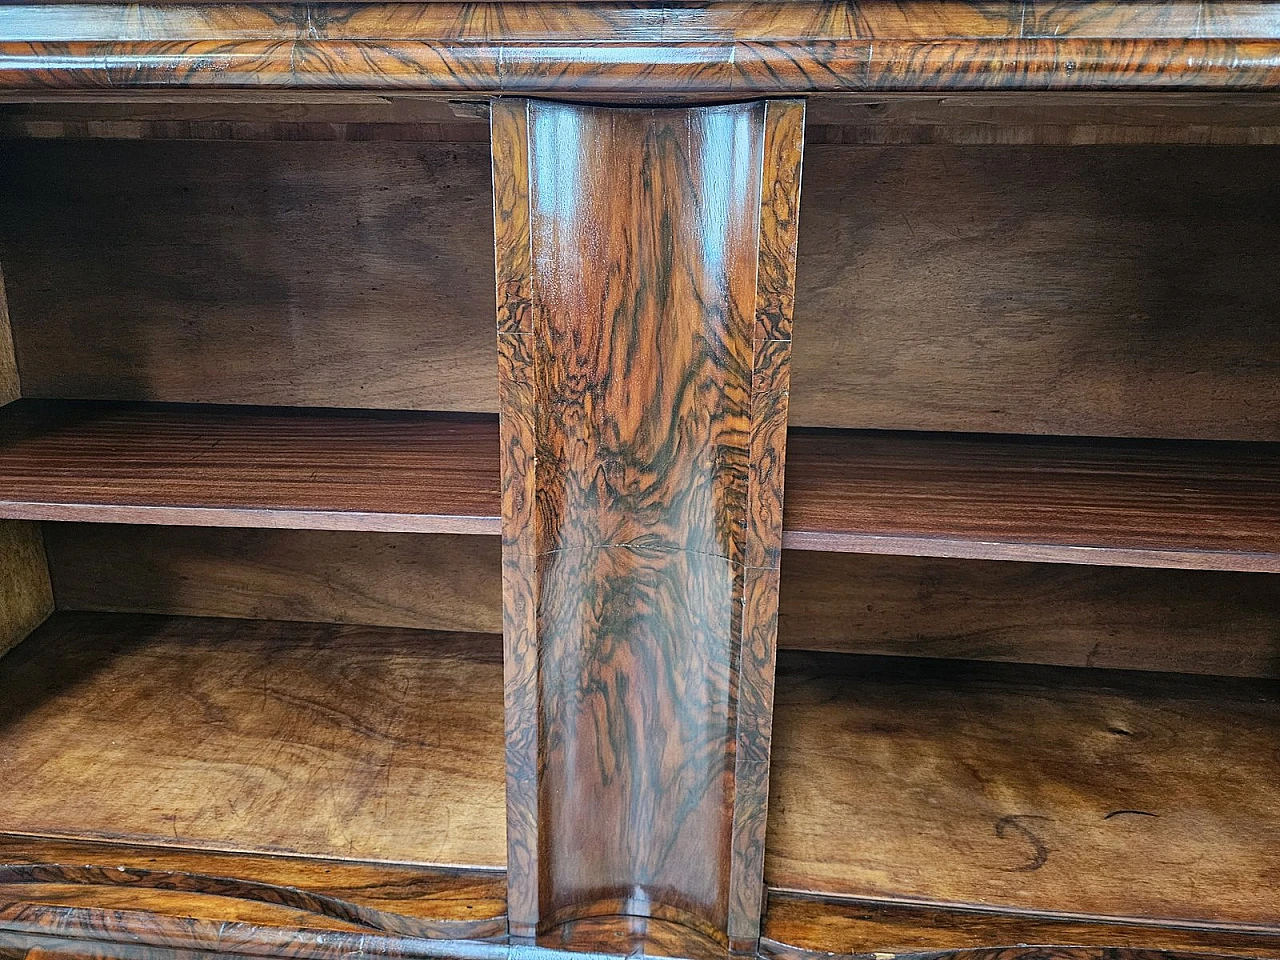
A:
(798, 927)
(1114, 787)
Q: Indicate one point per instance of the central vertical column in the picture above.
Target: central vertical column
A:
(645, 276)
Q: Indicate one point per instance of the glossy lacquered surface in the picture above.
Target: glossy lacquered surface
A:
(646, 50)
(645, 279)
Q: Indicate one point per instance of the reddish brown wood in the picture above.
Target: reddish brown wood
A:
(1137, 503)
(799, 927)
(625, 50)
(1183, 621)
(1213, 506)
(319, 740)
(238, 466)
(645, 276)
(1093, 291)
(272, 889)
(1083, 794)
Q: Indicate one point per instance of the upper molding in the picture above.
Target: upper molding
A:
(646, 50)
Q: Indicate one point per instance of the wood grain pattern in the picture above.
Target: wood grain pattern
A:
(626, 50)
(1183, 621)
(1080, 793)
(272, 890)
(403, 119)
(26, 594)
(973, 119)
(1091, 292)
(1139, 503)
(429, 893)
(10, 387)
(1211, 506)
(80, 933)
(339, 741)
(885, 119)
(798, 927)
(222, 466)
(645, 272)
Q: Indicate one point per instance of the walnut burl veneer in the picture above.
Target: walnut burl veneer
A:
(646, 50)
(645, 265)
(253, 702)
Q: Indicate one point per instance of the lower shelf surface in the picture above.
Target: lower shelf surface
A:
(1052, 790)
(322, 740)
(298, 789)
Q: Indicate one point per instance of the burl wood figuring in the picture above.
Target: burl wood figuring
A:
(645, 264)
(253, 702)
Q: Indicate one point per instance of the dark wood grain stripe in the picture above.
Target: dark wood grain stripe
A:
(321, 904)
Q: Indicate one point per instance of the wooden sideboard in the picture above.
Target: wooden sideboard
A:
(336, 626)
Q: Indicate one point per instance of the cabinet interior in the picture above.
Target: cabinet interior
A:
(1029, 627)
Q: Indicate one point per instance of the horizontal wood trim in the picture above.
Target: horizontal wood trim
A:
(87, 933)
(1171, 620)
(269, 889)
(626, 50)
(799, 927)
(338, 742)
(1098, 794)
(1196, 505)
(903, 119)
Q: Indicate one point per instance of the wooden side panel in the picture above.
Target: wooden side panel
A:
(10, 387)
(1095, 291)
(645, 264)
(26, 596)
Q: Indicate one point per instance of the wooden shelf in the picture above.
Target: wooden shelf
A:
(358, 743)
(1059, 792)
(248, 467)
(1204, 505)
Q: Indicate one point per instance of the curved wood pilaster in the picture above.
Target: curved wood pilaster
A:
(645, 274)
